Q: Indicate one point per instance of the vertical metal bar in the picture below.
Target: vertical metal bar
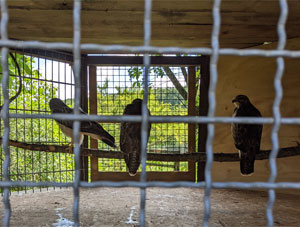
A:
(73, 83)
(76, 125)
(191, 112)
(203, 109)
(17, 111)
(276, 108)
(45, 109)
(39, 124)
(52, 136)
(84, 160)
(59, 154)
(65, 155)
(145, 115)
(212, 106)
(5, 111)
(24, 123)
(32, 120)
(93, 110)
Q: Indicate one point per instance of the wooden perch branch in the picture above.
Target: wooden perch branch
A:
(218, 157)
(176, 83)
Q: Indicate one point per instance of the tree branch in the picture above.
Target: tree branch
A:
(20, 81)
(218, 157)
(175, 82)
(184, 73)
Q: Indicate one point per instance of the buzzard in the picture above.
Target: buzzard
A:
(88, 128)
(246, 137)
(130, 137)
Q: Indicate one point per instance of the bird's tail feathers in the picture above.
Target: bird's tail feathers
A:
(109, 142)
(133, 162)
(246, 164)
(105, 138)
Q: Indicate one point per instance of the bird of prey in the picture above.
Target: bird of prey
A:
(130, 137)
(89, 128)
(246, 137)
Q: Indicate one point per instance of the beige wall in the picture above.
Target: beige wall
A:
(253, 76)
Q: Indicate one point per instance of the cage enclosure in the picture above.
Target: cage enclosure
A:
(187, 60)
(108, 84)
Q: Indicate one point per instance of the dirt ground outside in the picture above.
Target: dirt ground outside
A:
(178, 207)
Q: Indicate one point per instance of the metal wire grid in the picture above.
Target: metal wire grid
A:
(116, 88)
(42, 79)
(146, 48)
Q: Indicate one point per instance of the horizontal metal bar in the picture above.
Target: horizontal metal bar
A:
(147, 49)
(36, 44)
(256, 185)
(216, 185)
(33, 184)
(44, 80)
(158, 119)
(137, 184)
(138, 60)
(43, 172)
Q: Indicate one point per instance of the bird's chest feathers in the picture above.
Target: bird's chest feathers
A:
(67, 131)
(241, 112)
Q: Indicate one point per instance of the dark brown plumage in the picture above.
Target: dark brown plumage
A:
(89, 128)
(246, 137)
(130, 137)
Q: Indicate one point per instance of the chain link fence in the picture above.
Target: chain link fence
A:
(146, 49)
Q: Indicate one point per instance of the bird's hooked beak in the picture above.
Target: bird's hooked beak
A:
(235, 102)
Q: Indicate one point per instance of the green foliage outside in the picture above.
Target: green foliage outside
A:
(34, 99)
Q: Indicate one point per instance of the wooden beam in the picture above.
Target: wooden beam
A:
(137, 5)
(93, 110)
(171, 32)
(191, 112)
(61, 56)
(238, 36)
(167, 6)
(138, 60)
(151, 176)
(203, 110)
(183, 23)
(95, 17)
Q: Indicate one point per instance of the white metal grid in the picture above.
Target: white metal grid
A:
(215, 51)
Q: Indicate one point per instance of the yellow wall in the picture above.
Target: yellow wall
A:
(253, 76)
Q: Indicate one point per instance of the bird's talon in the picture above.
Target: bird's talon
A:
(69, 149)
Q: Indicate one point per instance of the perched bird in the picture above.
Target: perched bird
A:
(88, 128)
(246, 137)
(130, 137)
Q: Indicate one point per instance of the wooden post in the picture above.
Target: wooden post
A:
(191, 112)
(84, 161)
(203, 110)
(93, 110)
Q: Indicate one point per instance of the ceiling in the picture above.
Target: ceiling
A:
(183, 23)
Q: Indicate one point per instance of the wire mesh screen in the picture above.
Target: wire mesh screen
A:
(214, 52)
(41, 80)
(118, 86)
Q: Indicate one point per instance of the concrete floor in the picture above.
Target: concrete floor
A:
(164, 207)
